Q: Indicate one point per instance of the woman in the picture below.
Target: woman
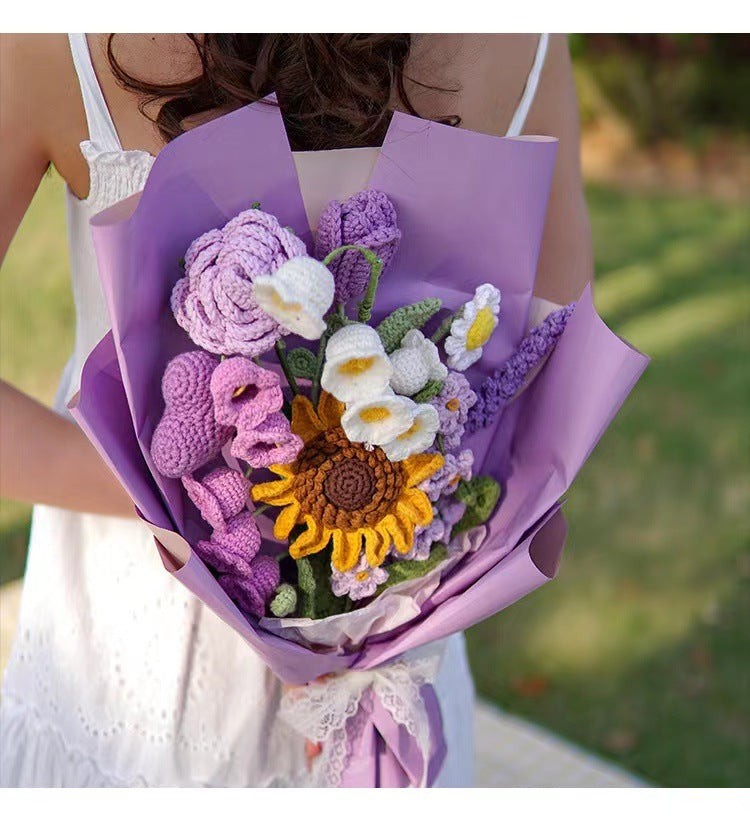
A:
(118, 676)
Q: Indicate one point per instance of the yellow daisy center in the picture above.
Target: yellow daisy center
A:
(375, 414)
(283, 305)
(452, 404)
(362, 576)
(480, 331)
(412, 430)
(356, 366)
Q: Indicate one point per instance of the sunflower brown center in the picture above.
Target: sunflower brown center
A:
(349, 484)
(342, 484)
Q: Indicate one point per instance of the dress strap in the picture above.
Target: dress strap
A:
(519, 118)
(101, 128)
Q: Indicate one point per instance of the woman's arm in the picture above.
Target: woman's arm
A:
(44, 458)
(566, 259)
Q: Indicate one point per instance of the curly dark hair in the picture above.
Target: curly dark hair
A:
(334, 90)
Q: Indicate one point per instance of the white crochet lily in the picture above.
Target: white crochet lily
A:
(297, 295)
(474, 326)
(378, 420)
(415, 362)
(419, 437)
(356, 367)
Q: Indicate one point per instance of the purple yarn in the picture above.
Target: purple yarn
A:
(453, 404)
(219, 496)
(188, 434)
(214, 302)
(247, 579)
(366, 219)
(269, 442)
(506, 381)
(244, 393)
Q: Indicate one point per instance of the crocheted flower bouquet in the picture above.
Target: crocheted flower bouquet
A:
(347, 443)
(361, 432)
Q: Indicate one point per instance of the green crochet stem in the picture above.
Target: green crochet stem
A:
(376, 267)
(444, 328)
(288, 374)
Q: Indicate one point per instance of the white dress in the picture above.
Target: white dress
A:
(118, 676)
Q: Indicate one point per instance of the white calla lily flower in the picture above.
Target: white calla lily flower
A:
(419, 437)
(356, 366)
(297, 295)
(378, 420)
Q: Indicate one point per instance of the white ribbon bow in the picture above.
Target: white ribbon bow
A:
(321, 710)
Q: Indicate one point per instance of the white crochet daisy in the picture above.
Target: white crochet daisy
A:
(419, 437)
(297, 295)
(356, 367)
(378, 420)
(416, 362)
(473, 328)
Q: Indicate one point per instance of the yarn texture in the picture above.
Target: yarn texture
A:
(188, 434)
(214, 302)
(219, 496)
(366, 219)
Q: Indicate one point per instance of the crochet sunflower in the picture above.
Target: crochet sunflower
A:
(345, 493)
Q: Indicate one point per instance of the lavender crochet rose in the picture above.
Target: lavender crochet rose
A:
(366, 219)
(214, 302)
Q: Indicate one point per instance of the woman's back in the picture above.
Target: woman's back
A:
(118, 676)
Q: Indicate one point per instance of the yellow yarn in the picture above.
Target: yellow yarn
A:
(374, 414)
(356, 366)
(481, 329)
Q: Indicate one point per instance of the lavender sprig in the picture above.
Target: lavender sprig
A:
(506, 381)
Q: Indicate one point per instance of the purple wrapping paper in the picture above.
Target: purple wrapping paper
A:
(471, 208)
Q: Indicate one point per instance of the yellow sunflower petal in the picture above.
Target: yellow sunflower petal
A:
(376, 546)
(417, 505)
(330, 410)
(286, 521)
(401, 531)
(419, 468)
(346, 549)
(276, 493)
(315, 538)
(305, 421)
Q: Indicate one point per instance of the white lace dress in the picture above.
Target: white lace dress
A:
(118, 676)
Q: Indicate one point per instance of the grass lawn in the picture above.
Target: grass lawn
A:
(639, 649)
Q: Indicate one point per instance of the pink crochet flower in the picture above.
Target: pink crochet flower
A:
(247, 579)
(220, 495)
(269, 442)
(366, 219)
(214, 301)
(244, 391)
(188, 434)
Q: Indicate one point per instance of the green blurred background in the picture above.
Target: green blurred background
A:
(639, 650)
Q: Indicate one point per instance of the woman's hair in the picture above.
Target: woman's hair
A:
(335, 90)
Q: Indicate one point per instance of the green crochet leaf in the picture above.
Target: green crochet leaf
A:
(400, 571)
(285, 601)
(301, 361)
(399, 322)
(431, 389)
(314, 580)
(480, 495)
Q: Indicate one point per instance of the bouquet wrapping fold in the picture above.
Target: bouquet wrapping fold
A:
(471, 208)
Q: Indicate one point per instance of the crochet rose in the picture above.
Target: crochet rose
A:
(366, 219)
(214, 302)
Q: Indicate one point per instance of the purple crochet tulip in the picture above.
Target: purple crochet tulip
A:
(453, 404)
(270, 442)
(220, 495)
(244, 393)
(366, 219)
(188, 434)
(253, 592)
(214, 302)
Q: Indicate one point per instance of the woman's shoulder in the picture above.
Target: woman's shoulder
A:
(481, 76)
